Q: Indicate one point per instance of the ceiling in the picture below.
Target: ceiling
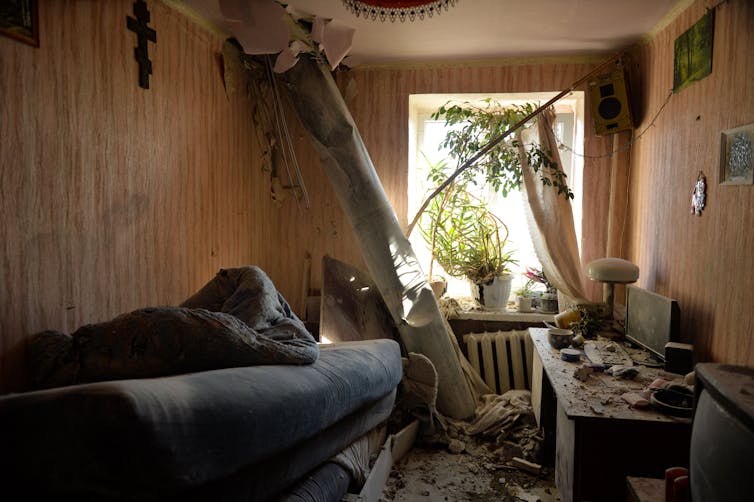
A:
(482, 29)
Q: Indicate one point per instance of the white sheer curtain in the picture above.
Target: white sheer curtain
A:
(550, 218)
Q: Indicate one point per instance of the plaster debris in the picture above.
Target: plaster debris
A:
(432, 473)
(635, 400)
(531, 467)
(582, 372)
(620, 371)
(456, 446)
(598, 408)
(454, 460)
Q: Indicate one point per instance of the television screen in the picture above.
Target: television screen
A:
(651, 320)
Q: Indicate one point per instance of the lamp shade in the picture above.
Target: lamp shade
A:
(615, 270)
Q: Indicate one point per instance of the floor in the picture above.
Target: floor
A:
(478, 473)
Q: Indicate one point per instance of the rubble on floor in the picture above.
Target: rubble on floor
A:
(481, 471)
(493, 457)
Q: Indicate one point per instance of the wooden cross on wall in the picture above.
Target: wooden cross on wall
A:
(144, 35)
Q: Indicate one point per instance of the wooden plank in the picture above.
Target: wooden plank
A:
(404, 441)
(565, 455)
(375, 483)
(395, 448)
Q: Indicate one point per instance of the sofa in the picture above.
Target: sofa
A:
(246, 432)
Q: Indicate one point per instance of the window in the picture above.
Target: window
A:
(425, 135)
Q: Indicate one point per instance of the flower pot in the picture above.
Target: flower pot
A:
(548, 304)
(524, 303)
(493, 295)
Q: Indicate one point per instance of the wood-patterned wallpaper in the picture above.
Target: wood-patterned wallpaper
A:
(115, 197)
(378, 100)
(705, 262)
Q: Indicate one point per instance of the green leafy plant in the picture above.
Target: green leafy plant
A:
(479, 125)
(465, 238)
(526, 290)
(589, 322)
(480, 140)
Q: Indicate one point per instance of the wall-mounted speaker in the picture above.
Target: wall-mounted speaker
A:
(611, 111)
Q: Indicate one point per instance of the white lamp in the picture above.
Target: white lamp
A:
(611, 271)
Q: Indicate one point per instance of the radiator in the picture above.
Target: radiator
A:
(503, 359)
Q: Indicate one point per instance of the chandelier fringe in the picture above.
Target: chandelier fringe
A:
(392, 10)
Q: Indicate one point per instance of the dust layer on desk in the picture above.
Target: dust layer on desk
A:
(595, 392)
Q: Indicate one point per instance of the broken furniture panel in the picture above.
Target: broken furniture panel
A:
(352, 308)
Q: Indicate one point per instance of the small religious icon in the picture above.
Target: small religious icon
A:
(145, 34)
(699, 195)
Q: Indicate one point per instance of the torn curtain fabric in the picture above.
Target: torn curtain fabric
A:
(550, 218)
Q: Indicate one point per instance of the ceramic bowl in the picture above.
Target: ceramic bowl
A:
(559, 338)
(674, 400)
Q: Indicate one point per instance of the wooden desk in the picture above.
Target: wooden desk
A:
(598, 439)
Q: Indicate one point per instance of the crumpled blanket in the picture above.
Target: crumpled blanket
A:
(237, 319)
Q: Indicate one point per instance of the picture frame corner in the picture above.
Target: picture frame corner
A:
(724, 175)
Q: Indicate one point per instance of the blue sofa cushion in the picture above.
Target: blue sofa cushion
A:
(160, 436)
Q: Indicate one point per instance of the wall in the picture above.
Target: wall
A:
(378, 100)
(115, 197)
(705, 262)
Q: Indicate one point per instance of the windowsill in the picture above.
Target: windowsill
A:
(508, 315)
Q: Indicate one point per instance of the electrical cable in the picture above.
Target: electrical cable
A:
(289, 155)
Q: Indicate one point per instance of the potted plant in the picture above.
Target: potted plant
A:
(525, 296)
(548, 300)
(468, 241)
(482, 146)
(450, 213)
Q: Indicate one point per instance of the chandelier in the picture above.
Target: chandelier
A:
(397, 9)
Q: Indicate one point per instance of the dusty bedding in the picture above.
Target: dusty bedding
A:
(246, 433)
(237, 319)
(227, 395)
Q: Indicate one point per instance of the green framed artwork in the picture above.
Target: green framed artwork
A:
(19, 20)
(693, 53)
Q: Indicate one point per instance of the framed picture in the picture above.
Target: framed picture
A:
(736, 154)
(692, 54)
(19, 20)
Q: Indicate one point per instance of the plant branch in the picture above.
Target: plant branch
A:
(494, 142)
